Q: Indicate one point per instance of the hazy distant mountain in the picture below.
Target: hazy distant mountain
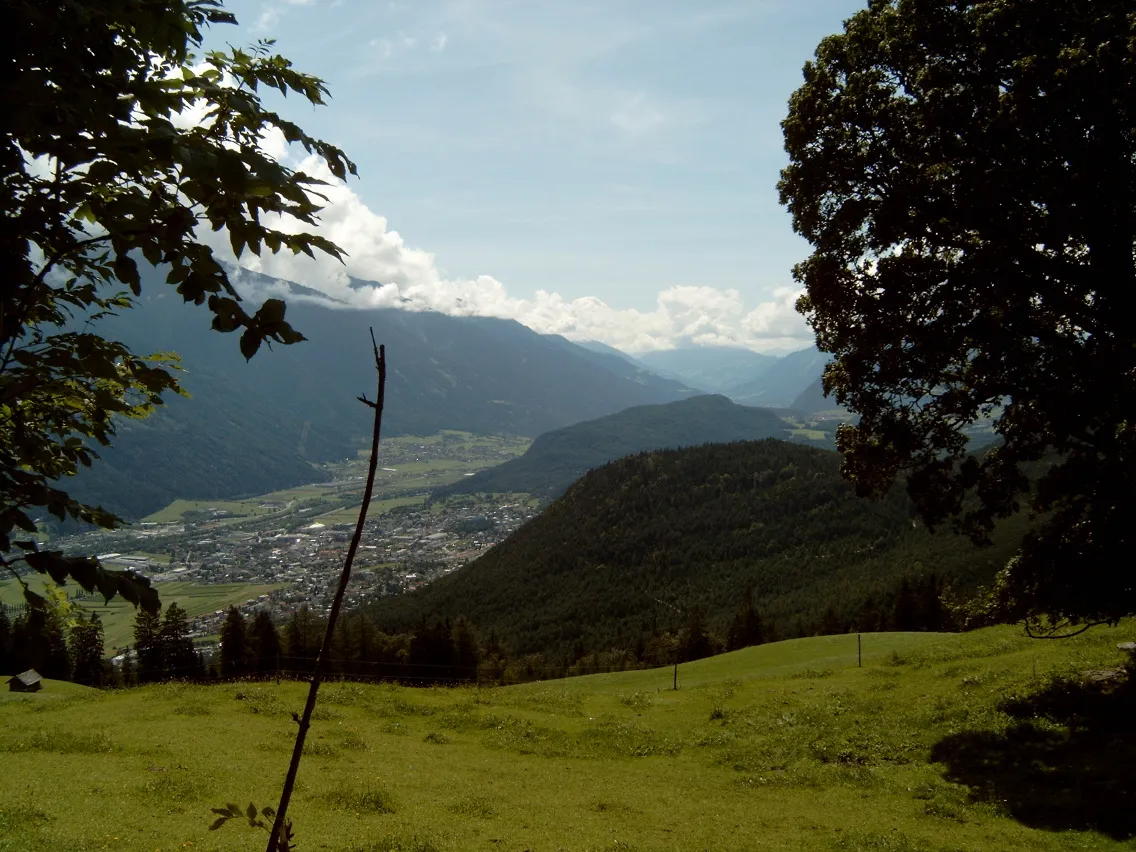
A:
(812, 399)
(624, 366)
(256, 426)
(711, 368)
(783, 381)
(556, 459)
(604, 349)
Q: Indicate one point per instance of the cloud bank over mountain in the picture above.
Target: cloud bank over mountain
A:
(410, 278)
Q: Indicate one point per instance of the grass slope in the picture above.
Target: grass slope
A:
(948, 743)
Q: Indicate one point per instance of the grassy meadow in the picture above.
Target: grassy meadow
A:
(939, 743)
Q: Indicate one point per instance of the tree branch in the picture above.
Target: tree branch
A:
(1052, 634)
(305, 720)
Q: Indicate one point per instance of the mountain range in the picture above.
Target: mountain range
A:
(710, 368)
(258, 426)
(779, 385)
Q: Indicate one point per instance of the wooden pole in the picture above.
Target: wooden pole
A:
(859, 652)
(676, 676)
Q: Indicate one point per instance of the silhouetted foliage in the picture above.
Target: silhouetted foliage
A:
(99, 172)
(964, 173)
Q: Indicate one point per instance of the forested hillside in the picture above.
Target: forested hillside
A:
(557, 459)
(652, 541)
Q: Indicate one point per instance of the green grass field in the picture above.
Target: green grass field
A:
(118, 615)
(240, 508)
(938, 744)
(350, 514)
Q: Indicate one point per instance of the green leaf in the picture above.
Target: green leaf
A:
(23, 521)
(250, 343)
(217, 823)
(50, 562)
(35, 601)
(272, 311)
(106, 583)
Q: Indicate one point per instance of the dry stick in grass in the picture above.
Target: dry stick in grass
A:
(276, 835)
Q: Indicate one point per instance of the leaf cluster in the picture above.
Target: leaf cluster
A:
(120, 144)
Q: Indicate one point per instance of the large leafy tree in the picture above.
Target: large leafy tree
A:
(119, 145)
(966, 174)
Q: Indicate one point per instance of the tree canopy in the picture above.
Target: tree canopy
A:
(966, 175)
(118, 146)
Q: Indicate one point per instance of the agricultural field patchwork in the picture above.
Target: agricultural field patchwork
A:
(939, 743)
(410, 467)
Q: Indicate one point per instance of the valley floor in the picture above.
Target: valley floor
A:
(939, 743)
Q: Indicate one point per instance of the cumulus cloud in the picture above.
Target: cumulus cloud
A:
(409, 278)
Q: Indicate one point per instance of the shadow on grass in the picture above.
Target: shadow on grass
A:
(1069, 762)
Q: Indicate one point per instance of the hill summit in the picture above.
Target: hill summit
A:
(557, 459)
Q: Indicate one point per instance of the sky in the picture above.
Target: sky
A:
(602, 169)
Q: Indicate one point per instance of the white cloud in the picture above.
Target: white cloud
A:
(438, 44)
(410, 278)
(267, 20)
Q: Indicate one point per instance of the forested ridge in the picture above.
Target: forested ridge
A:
(648, 543)
(558, 458)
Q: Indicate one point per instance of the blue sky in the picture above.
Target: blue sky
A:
(605, 170)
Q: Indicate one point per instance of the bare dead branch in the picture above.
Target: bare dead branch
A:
(277, 837)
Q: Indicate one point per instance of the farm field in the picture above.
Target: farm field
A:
(118, 615)
(409, 468)
(939, 743)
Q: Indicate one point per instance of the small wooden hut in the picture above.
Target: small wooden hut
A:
(28, 681)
